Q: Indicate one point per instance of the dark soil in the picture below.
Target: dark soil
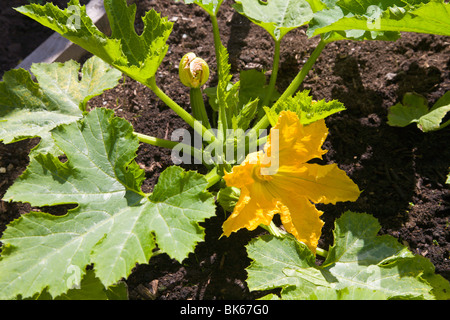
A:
(401, 170)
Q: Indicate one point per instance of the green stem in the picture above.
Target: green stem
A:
(198, 107)
(168, 144)
(277, 232)
(190, 120)
(321, 252)
(296, 82)
(217, 44)
(156, 141)
(212, 177)
(273, 76)
(261, 141)
(222, 124)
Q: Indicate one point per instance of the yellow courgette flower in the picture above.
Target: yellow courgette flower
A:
(296, 185)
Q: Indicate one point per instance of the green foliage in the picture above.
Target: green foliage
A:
(307, 110)
(210, 6)
(228, 197)
(360, 265)
(276, 17)
(371, 20)
(138, 56)
(245, 96)
(237, 103)
(254, 86)
(114, 226)
(90, 288)
(227, 95)
(30, 109)
(414, 109)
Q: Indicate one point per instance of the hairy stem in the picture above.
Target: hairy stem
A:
(212, 177)
(168, 144)
(198, 107)
(273, 76)
(274, 230)
(277, 232)
(321, 252)
(296, 82)
(217, 44)
(190, 120)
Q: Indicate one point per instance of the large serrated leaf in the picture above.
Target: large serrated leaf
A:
(277, 17)
(138, 56)
(382, 20)
(29, 109)
(360, 265)
(90, 288)
(113, 227)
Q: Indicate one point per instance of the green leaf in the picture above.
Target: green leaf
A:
(227, 94)
(90, 288)
(360, 265)
(114, 226)
(370, 20)
(210, 6)
(30, 109)
(307, 109)
(228, 197)
(239, 101)
(272, 115)
(276, 17)
(245, 115)
(414, 109)
(253, 86)
(138, 56)
(348, 293)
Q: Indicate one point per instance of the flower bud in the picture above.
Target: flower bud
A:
(193, 71)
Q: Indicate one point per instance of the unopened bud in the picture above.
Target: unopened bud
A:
(193, 71)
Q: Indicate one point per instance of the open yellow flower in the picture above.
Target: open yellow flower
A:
(292, 190)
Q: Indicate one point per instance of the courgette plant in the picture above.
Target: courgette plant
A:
(116, 225)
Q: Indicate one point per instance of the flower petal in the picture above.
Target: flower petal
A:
(296, 143)
(255, 206)
(241, 175)
(324, 184)
(301, 219)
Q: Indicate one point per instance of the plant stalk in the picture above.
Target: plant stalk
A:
(321, 252)
(277, 232)
(168, 144)
(273, 76)
(198, 107)
(217, 44)
(296, 82)
(212, 177)
(190, 120)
